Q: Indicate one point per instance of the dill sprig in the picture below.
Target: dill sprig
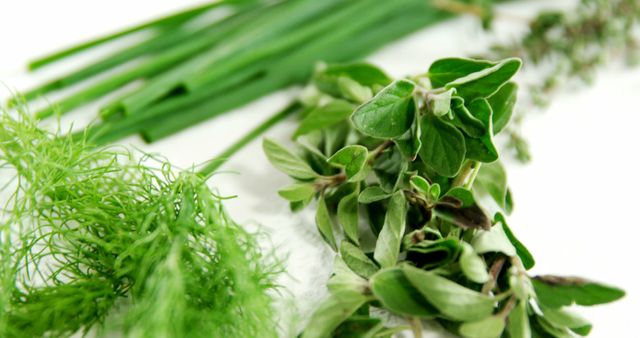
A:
(90, 232)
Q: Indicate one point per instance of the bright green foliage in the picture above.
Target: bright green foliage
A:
(90, 228)
(419, 160)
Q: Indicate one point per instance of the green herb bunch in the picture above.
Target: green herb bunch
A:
(91, 234)
(570, 45)
(399, 170)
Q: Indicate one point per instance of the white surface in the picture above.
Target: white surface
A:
(575, 204)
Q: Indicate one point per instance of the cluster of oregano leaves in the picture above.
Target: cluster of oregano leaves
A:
(398, 170)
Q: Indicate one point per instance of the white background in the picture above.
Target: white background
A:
(576, 203)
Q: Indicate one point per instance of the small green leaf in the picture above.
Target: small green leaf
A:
(325, 224)
(326, 76)
(440, 104)
(490, 327)
(482, 149)
(448, 70)
(525, 256)
(431, 254)
(298, 192)
(392, 288)
(357, 261)
(443, 147)
(353, 90)
(452, 299)
(390, 237)
(434, 191)
(472, 265)
(518, 322)
(287, 162)
(332, 312)
(421, 184)
(463, 119)
(502, 103)
(389, 114)
(348, 215)
(493, 240)
(372, 194)
(409, 143)
(324, 116)
(352, 158)
(554, 291)
(563, 318)
(345, 279)
(485, 82)
(492, 180)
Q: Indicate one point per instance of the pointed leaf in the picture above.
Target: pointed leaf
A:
(443, 147)
(298, 192)
(485, 82)
(389, 114)
(325, 224)
(373, 194)
(525, 256)
(348, 215)
(490, 327)
(554, 291)
(472, 265)
(396, 294)
(357, 261)
(502, 103)
(332, 312)
(352, 158)
(324, 116)
(287, 162)
(390, 237)
(448, 70)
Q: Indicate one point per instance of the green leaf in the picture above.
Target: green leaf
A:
(390, 237)
(485, 82)
(332, 312)
(348, 215)
(465, 196)
(353, 90)
(345, 279)
(518, 322)
(357, 261)
(326, 77)
(298, 192)
(555, 292)
(287, 162)
(440, 104)
(525, 256)
(502, 103)
(389, 114)
(359, 327)
(431, 254)
(452, 299)
(448, 70)
(409, 143)
(490, 327)
(493, 240)
(443, 147)
(392, 288)
(373, 194)
(472, 265)
(464, 120)
(481, 149)
(324, 116)
(352, 158)
(325, 224)
(563, 318)
(421, 184)
(492, 180)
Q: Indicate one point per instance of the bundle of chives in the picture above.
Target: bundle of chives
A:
(196, 66)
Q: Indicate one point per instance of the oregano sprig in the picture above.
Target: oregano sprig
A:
(416, 162)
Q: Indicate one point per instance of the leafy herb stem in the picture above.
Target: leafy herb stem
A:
(326, 182)
(504, 313)
(416, 327)
(375, 153)
(496, 267)
(469, 171)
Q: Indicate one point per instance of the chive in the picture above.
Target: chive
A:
(146, 68)
(169, 20)
(286, 17)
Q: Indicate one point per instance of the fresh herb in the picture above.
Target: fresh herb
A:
(91, 233)
(570, 45)
(205, 61)
(413, 162)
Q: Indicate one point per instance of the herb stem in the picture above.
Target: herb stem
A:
(416, 327)
(511, 303)
(494, 272)
(467, 170)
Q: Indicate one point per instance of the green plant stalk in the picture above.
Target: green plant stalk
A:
(146, 68)
(295, 68)
(283, 18)
(219, 160)
(163, 22)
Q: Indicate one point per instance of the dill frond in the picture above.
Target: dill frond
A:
(89, 226)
